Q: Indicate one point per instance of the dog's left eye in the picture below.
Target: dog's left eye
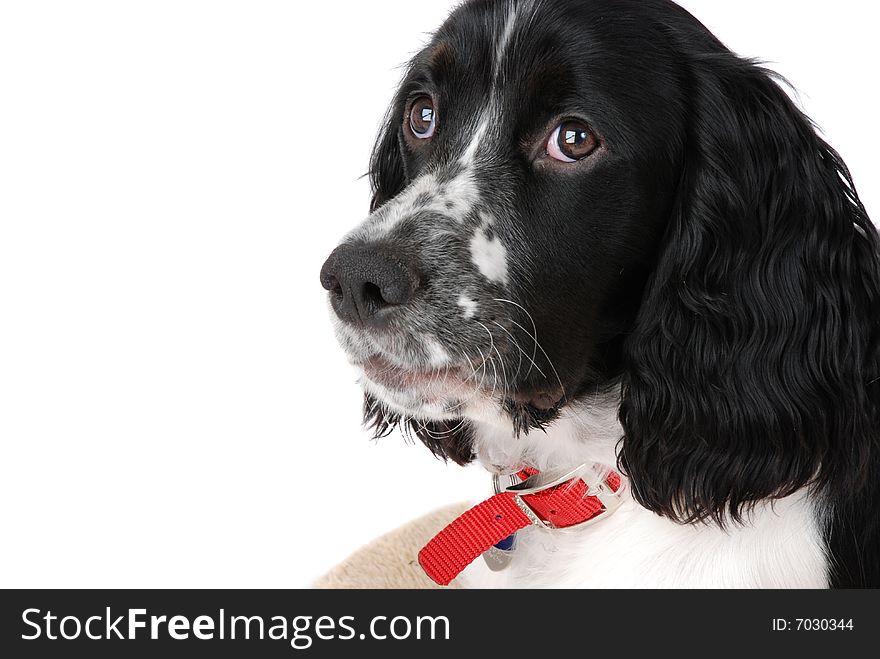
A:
(571, 141)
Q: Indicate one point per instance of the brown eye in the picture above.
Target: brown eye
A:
(423, 118)
(572, 141)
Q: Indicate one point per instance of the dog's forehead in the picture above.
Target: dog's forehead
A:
(497, 73)
(500, 72)
(486, 48)
(528, 62)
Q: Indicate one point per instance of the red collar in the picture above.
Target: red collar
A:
(554, 500)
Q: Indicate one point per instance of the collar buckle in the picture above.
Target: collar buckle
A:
(610, 499)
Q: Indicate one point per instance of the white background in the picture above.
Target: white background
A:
(174, 411)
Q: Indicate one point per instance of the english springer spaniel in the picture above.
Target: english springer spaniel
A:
(602, 242)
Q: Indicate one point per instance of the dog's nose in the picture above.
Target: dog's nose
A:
(367, 283)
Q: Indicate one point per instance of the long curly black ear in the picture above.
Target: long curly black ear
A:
(753, 369)
(387, 173)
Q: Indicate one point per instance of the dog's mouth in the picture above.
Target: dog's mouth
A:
(454, 387)
(430, 384)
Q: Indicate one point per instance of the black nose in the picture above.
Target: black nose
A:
(367, 283)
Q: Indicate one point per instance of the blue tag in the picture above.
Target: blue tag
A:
(508, 544)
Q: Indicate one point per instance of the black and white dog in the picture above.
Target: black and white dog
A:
(599, 237)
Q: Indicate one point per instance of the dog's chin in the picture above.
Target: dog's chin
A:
(447, 396)
(410, 405)
(423, 394)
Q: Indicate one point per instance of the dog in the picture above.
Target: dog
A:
(601, 243)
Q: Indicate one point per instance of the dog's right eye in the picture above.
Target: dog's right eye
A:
(423, 118)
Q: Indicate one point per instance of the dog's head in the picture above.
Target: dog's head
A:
(586, 196)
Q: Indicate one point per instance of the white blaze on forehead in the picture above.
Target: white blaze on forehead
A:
(490, 115)
(467, 158)
(437, 355)
(490, 256)
(504, 41)
(470, 306)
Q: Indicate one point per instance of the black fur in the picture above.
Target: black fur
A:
(717, 264)
(753, 367)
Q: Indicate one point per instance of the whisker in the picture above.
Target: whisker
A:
(522, 352)
(493, 347)
(485, 370)
(538, 346)
(533, 336)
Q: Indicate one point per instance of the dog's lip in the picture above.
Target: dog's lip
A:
(432, 382)
(391, 376)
